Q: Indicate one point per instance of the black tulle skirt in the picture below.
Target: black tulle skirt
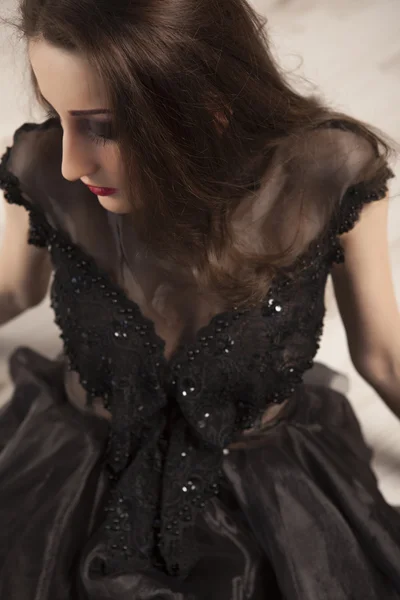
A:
(302, 516)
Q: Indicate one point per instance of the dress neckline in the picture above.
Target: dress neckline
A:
(216, 325)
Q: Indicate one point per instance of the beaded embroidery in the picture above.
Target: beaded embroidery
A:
(172, 422)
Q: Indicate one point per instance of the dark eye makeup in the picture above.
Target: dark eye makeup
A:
(100, 132)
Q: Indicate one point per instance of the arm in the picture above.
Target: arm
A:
(367, 303)
(24, 269)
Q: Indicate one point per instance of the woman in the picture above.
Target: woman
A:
(191, 206)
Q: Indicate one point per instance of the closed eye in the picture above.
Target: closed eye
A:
(100, 132)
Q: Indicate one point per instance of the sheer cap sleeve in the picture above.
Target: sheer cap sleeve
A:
(368, 181)
(60, 211)
(335, 171)
(352, 165)
(22, 176)
(314, 190)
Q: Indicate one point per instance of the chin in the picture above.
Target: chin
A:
(114, 205)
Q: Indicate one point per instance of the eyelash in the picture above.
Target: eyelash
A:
(98, 139)
(94, 137)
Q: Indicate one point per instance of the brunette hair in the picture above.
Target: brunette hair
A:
(201, 112)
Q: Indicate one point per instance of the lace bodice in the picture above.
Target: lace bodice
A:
(172, 420)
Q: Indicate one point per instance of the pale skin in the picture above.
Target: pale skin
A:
(363, 285)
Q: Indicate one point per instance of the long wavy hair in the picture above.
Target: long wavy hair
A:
(201, 111)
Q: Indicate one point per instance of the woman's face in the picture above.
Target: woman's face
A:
(78, 98)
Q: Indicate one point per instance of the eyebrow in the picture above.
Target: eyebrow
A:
(80, 113)
(93, 111)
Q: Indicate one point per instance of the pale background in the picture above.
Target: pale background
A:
(350, 51)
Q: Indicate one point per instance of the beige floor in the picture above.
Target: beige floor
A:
(350, 51)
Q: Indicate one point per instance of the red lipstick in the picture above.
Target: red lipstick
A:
(102, 191)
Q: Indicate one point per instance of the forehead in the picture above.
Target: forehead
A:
(65, 79)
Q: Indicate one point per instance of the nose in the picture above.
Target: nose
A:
(78, 159)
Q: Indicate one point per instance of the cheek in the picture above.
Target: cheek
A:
(112, 167)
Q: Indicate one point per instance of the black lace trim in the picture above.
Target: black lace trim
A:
(38, 225)
(349, 212)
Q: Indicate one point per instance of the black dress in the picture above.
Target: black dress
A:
(154, 504)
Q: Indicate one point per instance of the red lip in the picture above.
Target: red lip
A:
(102, 191)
